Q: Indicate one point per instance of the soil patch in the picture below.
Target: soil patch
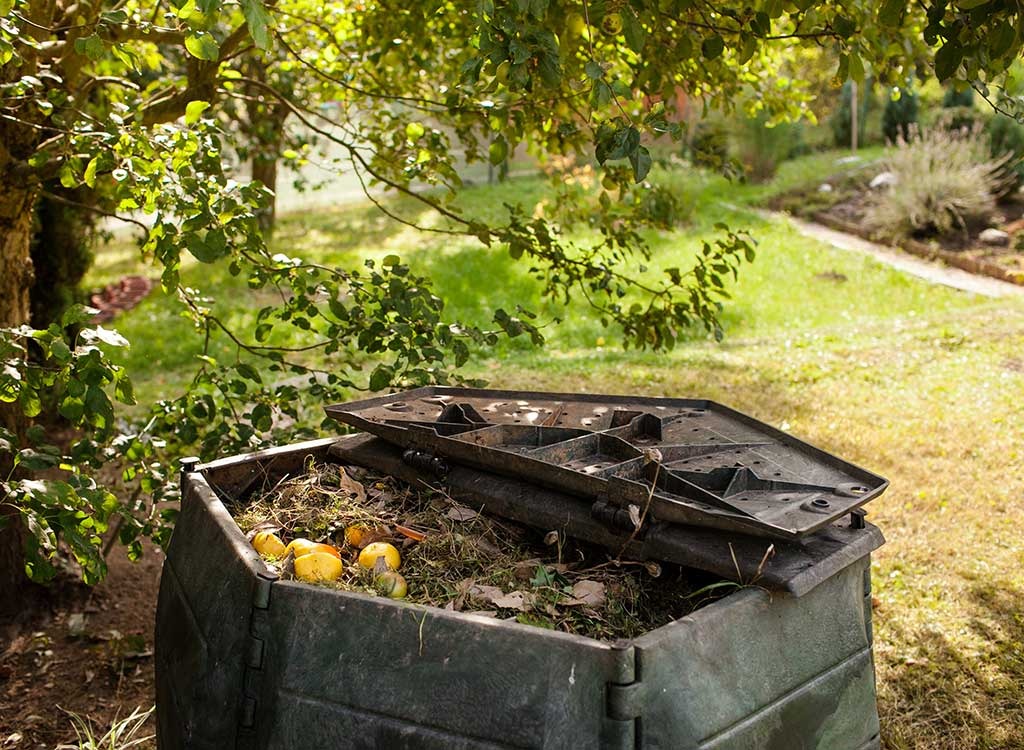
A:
(89, 651)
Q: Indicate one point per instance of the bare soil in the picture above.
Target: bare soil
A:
(87, 651)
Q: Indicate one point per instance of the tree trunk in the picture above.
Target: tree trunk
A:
(61, 250)
(16, 206)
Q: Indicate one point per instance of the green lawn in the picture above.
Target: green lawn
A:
(920, 383)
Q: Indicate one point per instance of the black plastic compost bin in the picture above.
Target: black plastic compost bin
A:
(246, 660)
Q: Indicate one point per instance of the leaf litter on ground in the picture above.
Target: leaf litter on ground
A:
(463, 559)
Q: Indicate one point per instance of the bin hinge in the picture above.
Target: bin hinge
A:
(255, 661)
(261, 592)
(624, 702)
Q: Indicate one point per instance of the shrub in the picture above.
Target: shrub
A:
(958, 112)
(946, 180)
(709, 146)
(900, 117)
(761, 148)
(954, 99)
(1006, 141)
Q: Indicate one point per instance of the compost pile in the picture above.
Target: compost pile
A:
(458, 558)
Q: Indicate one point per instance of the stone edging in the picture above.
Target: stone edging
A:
(958, 260)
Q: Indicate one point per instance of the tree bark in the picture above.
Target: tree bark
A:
(16, 276)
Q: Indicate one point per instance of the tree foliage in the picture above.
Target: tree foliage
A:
(136, 99)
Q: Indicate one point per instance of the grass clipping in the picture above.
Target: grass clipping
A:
(458, 558)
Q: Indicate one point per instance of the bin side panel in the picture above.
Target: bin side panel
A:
(413, 670)
(202, 625)
(831, 712)
(736, 658)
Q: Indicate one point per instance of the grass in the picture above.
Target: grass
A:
(121, 735)
(918, 382)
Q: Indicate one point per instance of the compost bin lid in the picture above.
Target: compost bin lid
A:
(684, 461)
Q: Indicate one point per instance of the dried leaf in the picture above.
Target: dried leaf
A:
(354, 489)
(588, 593)
(634, 515)
(416, 536)
(524, 569)
(551, 538)
(518, 600)
(653, 568)
(288, 565)
(270, 526)
(461, 513)
(652, 455)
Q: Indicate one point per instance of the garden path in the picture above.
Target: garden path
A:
(932, 271)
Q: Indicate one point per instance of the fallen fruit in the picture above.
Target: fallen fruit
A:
(355, 534)
(326, 549)
(268, 543)
(300, 547)
(368, 557)
(318, 566)
(391, 584)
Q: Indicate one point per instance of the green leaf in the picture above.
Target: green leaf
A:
(594, 70)
(498, 151)
(947, 60)
(72, 409)
(248, 372)
(90, 171)
(891, 12)
(124, 391)
(194, 110)
(258, 20)
(856, 68)
(6, 6)
(106, 335)
(761, 24)
(90, 46)
(712, 47)
(414, 131)
(60, 351)
(1001, 39)
(380, 378)
(844, 27)
(632, 30)
(202, 45)
(641, 161)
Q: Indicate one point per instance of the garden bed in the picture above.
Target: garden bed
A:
(843, 207)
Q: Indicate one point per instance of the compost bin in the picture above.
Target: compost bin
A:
(247, 658)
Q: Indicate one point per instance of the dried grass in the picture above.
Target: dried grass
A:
(947, 180)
